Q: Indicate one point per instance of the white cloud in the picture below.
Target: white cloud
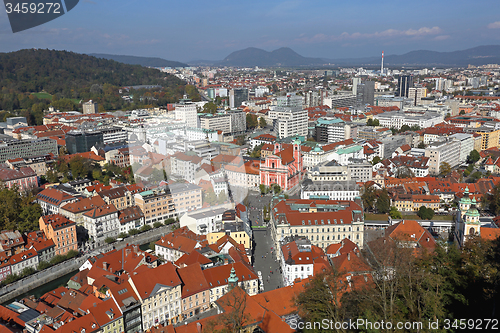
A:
(494, 25)
(389, 33)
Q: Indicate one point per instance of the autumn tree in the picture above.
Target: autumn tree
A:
(383, 203)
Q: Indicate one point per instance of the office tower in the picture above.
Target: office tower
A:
(355, 82)
(89, 107)
(405, 82)
(237, 96)
(186, 111)
(289, 118)
(81, 141)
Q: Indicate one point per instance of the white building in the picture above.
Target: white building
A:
(289, 118)
(466, 144)
(102, 222)
(297, 260)
(26, 259)
(204, 221)
(397, 119)
(186, 111)
(443, 151)
(130, 218)
(338, 190)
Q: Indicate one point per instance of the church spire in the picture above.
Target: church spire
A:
(233, 279)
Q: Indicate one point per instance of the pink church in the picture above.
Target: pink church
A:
(283, 167)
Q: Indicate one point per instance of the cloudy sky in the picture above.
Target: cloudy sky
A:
(201, 29)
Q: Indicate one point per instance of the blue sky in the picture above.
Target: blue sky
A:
(201, 29)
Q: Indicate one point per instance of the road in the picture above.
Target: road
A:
(256, 207)
(265, 261)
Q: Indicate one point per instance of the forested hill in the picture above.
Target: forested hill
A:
(32, 80)
(61, 71)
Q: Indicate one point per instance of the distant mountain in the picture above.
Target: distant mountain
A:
(481, 55)
(143, 61)
(282, 57)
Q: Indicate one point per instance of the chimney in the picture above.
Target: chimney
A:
(226, 261)
(127, 252)
(105, 266)
(198, 327)
(349, 256)
(135, 248)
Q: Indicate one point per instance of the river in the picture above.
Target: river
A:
(39, 291)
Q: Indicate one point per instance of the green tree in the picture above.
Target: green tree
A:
(221, 198)
(43, 265)
(421, 145)
(145, 228)
(109, 240)
(133, 232)
(169, 221)
(263, 189)
(376, 160)
(395, 213)
(210, 108)
(251, 121)
(79, 167)
(123, 235)
(476, 176)
(157, 224)
(51, 176)
(152, 246)
(404, 128)
(444, 168)
(262, 122)
(210, 197)
(383, 203)
(369, 196)
(473, 157)
(425, 213)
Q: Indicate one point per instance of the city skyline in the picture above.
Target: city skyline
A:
(211, 31)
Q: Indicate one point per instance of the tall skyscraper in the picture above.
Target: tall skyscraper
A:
(405, 82)
(355, 82)
(237, 96)
(186, 111)
(289, 117)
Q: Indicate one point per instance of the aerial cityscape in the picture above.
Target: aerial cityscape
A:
(250, 167)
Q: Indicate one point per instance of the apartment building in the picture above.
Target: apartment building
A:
(159, 290)
(443, 151)
(130, 218)
(177, 243)
(51, 200)
(195, 291)
(61, 231)
(121, 197)
(397, 119)
(25, 148)
(289, 117)
(102, 222)
(186, 196)
(74, 211)
(24, 178)
(204, 221)
(217, 122)
(184, 166)
(330, 190)
(157, 204)
(187, 112)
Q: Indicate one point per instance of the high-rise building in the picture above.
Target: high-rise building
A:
(238, 121)
(355, 82)
(405, 82)
(416, 95)
(186, 111)
(237, 96)
(82, 141)
(90, 107)
(289, 118)
(365, 93)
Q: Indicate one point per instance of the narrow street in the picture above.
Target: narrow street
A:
(265, 260)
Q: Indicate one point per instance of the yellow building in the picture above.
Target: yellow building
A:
(233, 230)
(489, 137)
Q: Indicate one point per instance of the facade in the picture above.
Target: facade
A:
(111, 135)
(218, 279)
(237, 96)
(51, 200)
(397, 119)
(320, 221)
(416, 95)
(246, 175)
(185, 166)
(61, 231)
(102, 223)
(25, 148)
(130, 218)
(203, 222)
(26, 259)
(186, 111)
(119, 196)
(238, 121)
(82, 141)
(195, 291)
(119, 157)
(443, 151)
(297, 260)
(186, 196)
(331, 130)
(181, 241)
(289, 118)
(284, 167)
(90, 107)
(467, 219)
(157, 204)
(358, 170)
(216, 122)
(466, 144)
(159, 290)
(24, 178)
(330, 190)
(405, 82)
